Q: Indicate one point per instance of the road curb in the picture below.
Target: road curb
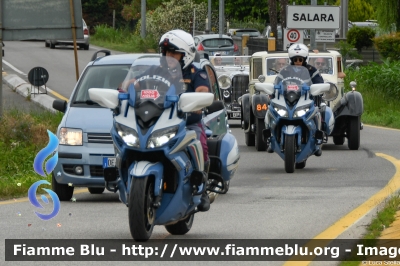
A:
(24, 88)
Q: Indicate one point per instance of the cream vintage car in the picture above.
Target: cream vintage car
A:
(347, 107)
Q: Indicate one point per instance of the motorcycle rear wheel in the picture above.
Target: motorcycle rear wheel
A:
(290, 150)
(181, 227)
(140, 208)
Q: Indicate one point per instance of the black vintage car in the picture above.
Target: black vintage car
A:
(233, 80)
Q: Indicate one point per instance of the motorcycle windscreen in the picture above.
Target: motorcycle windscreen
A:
(154, 77)
(292, 78)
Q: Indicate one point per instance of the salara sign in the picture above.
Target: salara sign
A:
(313, 17)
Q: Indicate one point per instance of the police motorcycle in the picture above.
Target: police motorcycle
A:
(295, 130)
(158, 168)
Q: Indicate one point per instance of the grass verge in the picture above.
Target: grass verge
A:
(22, 136)
(383, 219)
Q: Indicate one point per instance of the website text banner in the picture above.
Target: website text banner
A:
(196, 250)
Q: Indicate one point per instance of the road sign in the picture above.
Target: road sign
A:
(292, 36)
(313, 17)
(325, 36)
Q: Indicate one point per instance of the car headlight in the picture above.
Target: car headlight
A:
(224, 82)
(301, 112)
(282, 111)
(70, 136)
(161, 137)
(128, 135)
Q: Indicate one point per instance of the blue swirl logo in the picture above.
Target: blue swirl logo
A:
(32, 198)
(50, 149)
(44, 153)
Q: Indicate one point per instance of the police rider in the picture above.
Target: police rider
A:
(180, 45)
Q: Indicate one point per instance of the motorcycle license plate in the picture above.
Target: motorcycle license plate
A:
(235, 115)
(109, 162)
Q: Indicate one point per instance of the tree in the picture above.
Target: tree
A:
(175, 14)
(273, 18)
(359, 10)
(388, 14)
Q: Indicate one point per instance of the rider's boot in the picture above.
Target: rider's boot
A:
(205, 200)
(269, 148)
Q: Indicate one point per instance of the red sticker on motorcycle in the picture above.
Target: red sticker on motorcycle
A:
(292, 87)
(149, 94)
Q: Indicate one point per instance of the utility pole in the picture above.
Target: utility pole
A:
(312, 31)
(221, 17)
(209, 16)
(143, 14)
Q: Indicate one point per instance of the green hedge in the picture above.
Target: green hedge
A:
(360, 37)
(388, 46)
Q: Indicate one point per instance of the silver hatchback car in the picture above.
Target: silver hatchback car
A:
(84, 132)
(212, 44)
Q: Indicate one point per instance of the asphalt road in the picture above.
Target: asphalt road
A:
(264, 202)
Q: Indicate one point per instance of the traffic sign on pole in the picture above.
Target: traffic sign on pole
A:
(292, 36)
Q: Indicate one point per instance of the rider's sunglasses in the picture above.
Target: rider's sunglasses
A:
(298, 59)
(320, 63)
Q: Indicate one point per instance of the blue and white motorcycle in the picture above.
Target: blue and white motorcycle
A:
(158, 165)
(295, 127)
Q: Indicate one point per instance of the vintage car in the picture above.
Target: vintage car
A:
(347, 107)
(233, 79)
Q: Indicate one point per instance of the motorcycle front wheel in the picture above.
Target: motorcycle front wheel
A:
(290, 149)
(140, 208)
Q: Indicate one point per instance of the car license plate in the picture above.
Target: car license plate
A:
(235, 115)
(109, 162)
(220, 52)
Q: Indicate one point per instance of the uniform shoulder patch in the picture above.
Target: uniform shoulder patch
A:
(203, 75)
(193, 70)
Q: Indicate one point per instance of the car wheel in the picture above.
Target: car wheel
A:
(249, 139)
(338, 140)
(96, 190)
(353, 133)
(52, 45)
(259, 142)
(46, 44)
(86, 47)
(63, 191)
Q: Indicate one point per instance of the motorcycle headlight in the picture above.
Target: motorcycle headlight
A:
(128, 135)
(282, 111)
(70, 136)
(161, 137)
(301, 112)
(224, 82)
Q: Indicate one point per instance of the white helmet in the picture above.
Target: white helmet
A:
(179, 41)
(298, 49)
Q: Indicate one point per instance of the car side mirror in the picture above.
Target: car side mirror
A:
(60, 105)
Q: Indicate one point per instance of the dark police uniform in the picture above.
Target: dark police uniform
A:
(193, 78)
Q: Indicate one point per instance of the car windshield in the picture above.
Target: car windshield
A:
(102, 76)
(217, 42)
(275, 64)
(291, 79)
(162, 78)
(324, 64)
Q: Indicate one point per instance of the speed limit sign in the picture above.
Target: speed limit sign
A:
(292, 36)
